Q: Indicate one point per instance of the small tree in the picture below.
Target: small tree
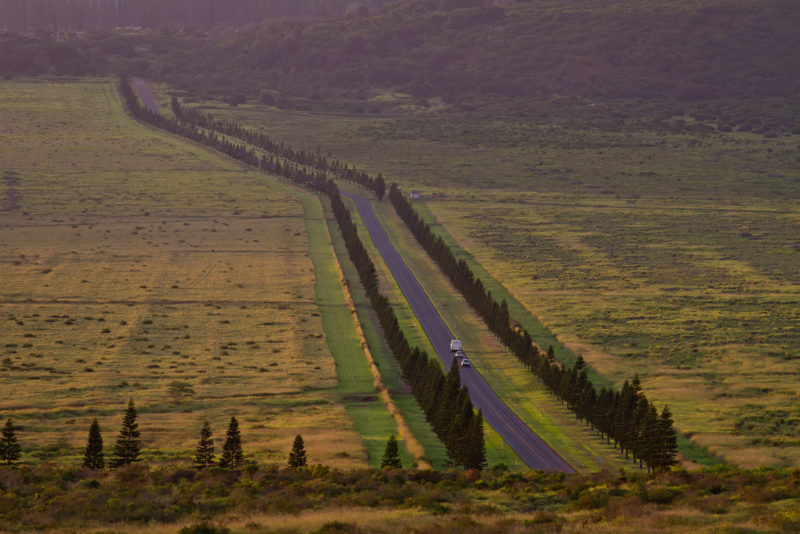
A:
(232, 455)
(297, 458)
(668, 437)
(179, 391)
(128, 446)
(10, 449)
(205, 448)
(93, 455)
(391, 456)
(380, 187)
(476, 448)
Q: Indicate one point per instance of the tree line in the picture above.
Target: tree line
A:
(446, 404)
(127, 449)
(627, 417)
(261, 140)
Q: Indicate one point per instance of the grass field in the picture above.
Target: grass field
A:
(672, 254)
(130, 260)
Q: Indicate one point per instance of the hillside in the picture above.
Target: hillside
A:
(77, 15)
(578, 53)
(584, 49)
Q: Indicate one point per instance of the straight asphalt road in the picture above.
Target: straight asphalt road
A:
(529, 447)
(146, 95)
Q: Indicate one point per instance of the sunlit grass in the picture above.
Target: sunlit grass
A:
(669, 255)
(132, 260)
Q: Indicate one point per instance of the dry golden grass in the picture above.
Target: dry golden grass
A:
(131, 261)
(711, 376)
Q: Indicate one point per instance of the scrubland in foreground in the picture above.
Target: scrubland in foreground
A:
(269, 499)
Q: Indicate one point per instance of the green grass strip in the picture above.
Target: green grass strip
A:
(370, 416)
(435, 450)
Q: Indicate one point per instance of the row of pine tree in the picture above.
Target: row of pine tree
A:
(128, 447)
(447, 405)
(279, 150)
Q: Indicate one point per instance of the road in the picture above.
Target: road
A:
(146, 95)
(529, 447)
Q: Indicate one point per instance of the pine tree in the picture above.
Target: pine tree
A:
(93, 455)
(205, 448)
(128, 446)
(650, 438)
(668, 441)
(476, 455)
(380, 187)
(232, 455)
(391, 456)
(10, 449)
(297, 458)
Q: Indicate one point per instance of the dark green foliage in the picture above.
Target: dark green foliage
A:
(204, 456)
(10, 449)
(93, 457)
(391, 456)
(666, 448)
(162, 498)
(297, 456)
(128, 446)
(232, 455)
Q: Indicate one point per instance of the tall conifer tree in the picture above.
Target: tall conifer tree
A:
(391, 456)
(205, 448)
(476, 455)
(668, 441)
(297, 458)
(232, 455)
(10, 449)
(93, 457)
(128, 446)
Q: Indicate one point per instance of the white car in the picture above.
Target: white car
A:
(459, 354)
(465, 363)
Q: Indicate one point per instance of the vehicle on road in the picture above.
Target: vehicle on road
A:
(459, 354)
(455, 345)
(466, 363)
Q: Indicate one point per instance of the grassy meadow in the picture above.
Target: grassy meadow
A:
(661, 247)
(131, 260)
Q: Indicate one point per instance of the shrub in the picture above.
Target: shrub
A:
(204, 528)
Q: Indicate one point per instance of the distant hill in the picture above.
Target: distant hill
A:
(77, 15)
(460, 50)
(687, 50)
